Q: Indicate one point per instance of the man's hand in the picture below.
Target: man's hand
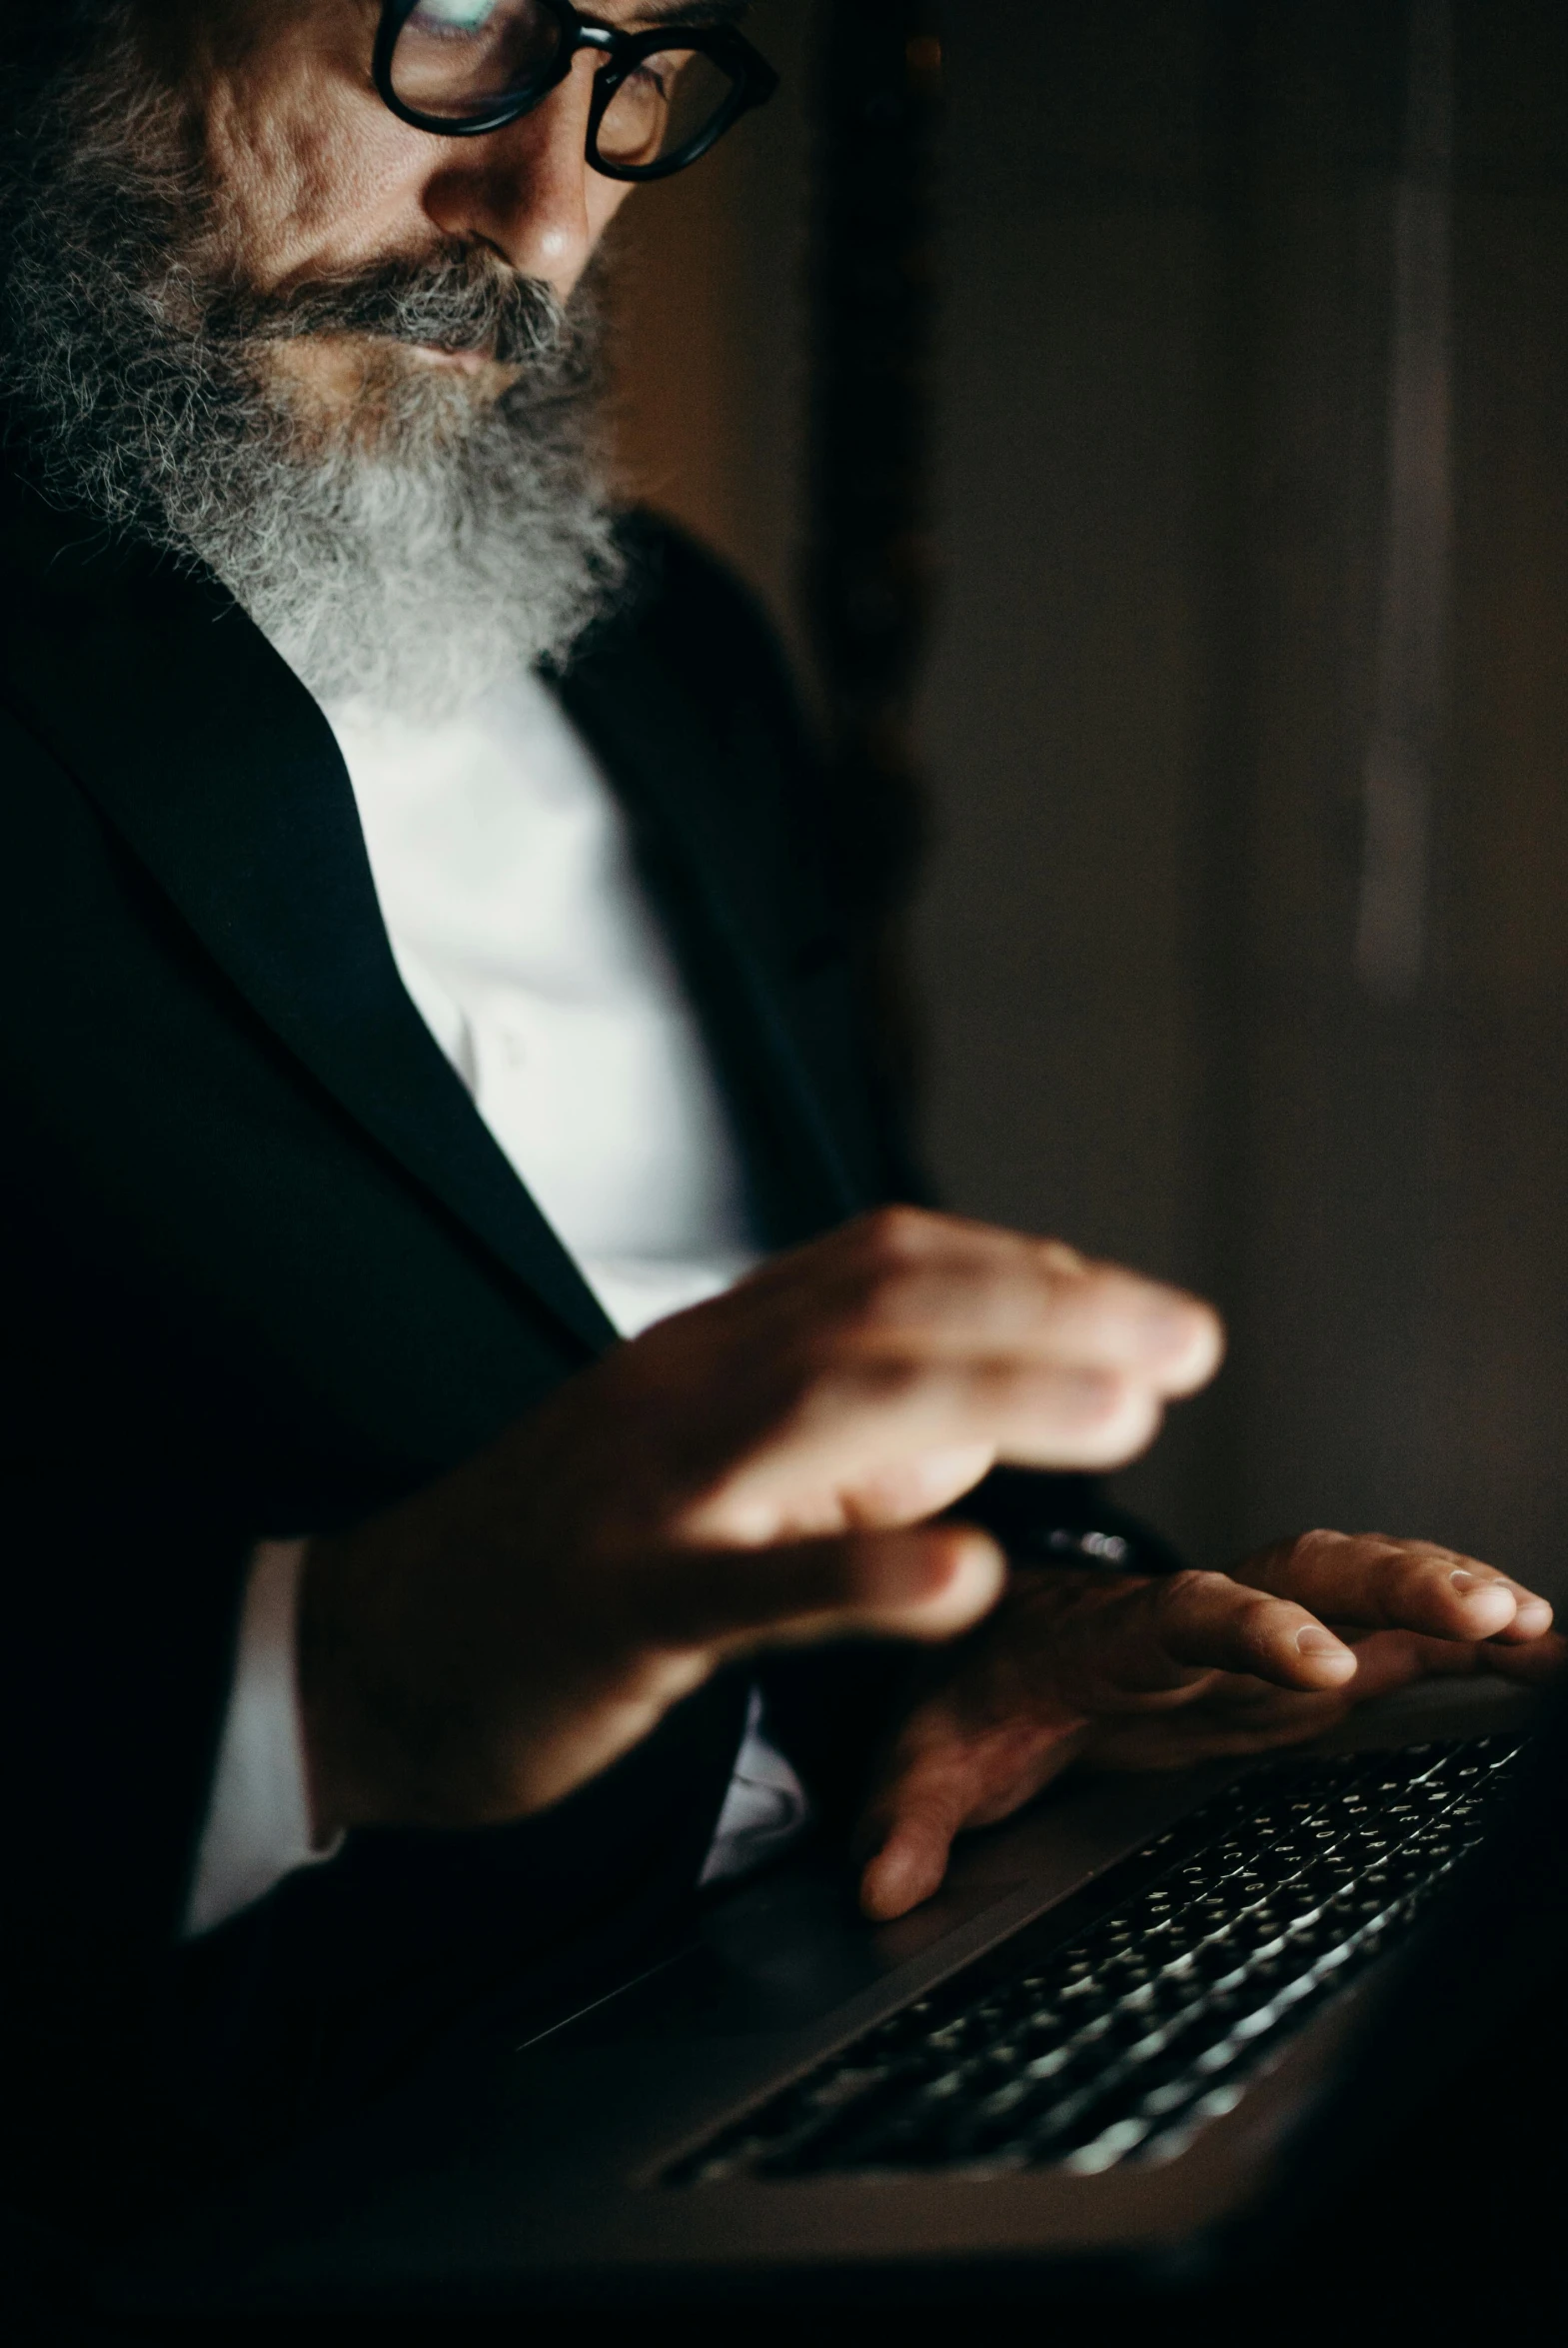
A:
(1130, 1673)
(761, 1470)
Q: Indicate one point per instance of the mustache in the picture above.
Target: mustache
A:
(463, 299)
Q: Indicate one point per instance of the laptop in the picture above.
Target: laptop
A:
(1105, 2049)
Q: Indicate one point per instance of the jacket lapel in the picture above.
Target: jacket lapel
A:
(217, 769)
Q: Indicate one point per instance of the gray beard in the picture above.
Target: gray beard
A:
(411, 552)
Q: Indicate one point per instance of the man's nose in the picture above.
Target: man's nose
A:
(525, 189)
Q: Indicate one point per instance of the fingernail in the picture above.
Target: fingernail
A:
(1464, 1583)
(1313, 1639)
(1532, 1610)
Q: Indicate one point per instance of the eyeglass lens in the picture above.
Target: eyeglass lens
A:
(461, 60)
(667, 103)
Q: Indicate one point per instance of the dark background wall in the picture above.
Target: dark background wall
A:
(1242, 948)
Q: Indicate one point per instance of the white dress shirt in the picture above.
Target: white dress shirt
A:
(504, 869)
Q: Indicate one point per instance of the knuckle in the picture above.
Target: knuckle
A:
(812, 1358)
(838, 1377)
(1064, 1262)
(1258, 1618)
(888, 1278)
(893, 1299)
(900, 1281)
(894, 1237)
(1395, 1571)
(1193, 1586)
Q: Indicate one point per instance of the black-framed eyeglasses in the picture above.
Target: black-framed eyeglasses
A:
(662, 97)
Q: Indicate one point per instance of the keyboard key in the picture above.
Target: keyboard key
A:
(1125, 2040)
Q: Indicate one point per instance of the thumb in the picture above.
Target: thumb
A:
(945, 1778)
(922, 1582)
(915, 1836)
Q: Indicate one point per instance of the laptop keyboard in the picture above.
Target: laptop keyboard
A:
(1120, 2042)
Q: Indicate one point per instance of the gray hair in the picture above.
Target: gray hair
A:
(412, 550)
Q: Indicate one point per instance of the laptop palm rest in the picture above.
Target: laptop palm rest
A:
(534, 2169)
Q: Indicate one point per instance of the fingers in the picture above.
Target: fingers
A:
(929, 1584)
(858, 1440)
(1263, 1719)
(960, 1288)
(964, 1289)
(1166, 1675)
(1095, 1649)
(912, 1858)
(1164, 1637)
(909, 1335)
(947, 1775)
(1390, 1585)
(1387, 1660)
(1036, 1414)
(1236, 1716)
(968, 1288)
(1542, 1661)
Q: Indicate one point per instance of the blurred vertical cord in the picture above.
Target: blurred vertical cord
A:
(1406, 744)
(1213, 1484)
(1288, 187)
(870, 568)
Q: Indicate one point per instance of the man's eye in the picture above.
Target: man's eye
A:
(658, 75)
(453, 16)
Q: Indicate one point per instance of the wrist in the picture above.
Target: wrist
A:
(419, 1694)
(372, 1723)
(328, 1697)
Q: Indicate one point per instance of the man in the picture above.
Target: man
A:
(468, 1362)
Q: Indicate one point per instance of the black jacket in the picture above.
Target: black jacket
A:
(265, 1268)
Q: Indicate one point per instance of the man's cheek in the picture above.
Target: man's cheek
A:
(315, 187)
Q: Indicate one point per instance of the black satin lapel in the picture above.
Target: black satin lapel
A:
(704, 864)
(220, 774)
